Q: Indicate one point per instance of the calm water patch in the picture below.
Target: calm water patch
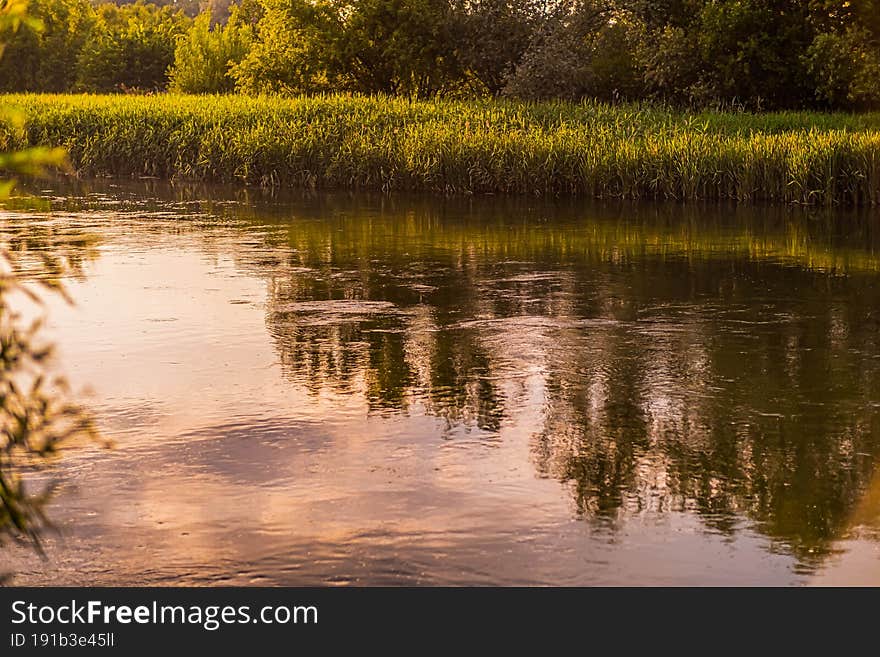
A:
(350, 389)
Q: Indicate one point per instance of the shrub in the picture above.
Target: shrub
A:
(37, 57)
(846, 69)
(589, 52)
(131, 47)
(205, 56)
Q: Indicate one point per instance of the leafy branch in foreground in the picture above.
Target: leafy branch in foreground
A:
(35, 416)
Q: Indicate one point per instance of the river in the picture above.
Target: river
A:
(337, 388)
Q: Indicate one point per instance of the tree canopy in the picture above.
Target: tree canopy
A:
(758, 54)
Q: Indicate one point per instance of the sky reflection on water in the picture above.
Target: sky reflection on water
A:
(343, 389)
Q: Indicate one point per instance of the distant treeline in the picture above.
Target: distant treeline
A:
(756, 54)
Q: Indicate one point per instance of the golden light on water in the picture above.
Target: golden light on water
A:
(302, 392)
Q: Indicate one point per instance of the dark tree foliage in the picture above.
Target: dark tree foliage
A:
(130, 48)
(191, 8)
(585, 48)
(37, 56)
(491, 37)
(756, 54)
(391, 46)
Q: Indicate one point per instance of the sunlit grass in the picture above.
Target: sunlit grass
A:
(465, 146)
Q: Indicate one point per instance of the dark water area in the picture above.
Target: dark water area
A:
(347, 389)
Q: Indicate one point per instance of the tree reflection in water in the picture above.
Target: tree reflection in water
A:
(722, 362)
(683, 366)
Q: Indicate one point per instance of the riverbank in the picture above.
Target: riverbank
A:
(463, 146)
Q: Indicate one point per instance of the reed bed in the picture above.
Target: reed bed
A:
(446, 146)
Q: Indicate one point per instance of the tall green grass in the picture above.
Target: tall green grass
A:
(464, 146)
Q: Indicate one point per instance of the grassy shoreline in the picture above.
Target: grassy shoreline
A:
(462, 146)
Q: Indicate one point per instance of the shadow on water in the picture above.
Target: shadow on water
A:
(716, 362)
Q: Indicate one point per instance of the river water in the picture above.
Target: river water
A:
(351, 389)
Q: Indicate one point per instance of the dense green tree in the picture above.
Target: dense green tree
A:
(392, 46)
(205, 55)
(288, 54)
(758, 54)
(130, 48)
(659, 14)
(491, 37)
(368, 46)
(749, 52)
(588, 48)
(191, 8)
(38, 55)
(846, 69)
(844, 58)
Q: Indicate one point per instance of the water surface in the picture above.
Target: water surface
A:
(336, 389)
